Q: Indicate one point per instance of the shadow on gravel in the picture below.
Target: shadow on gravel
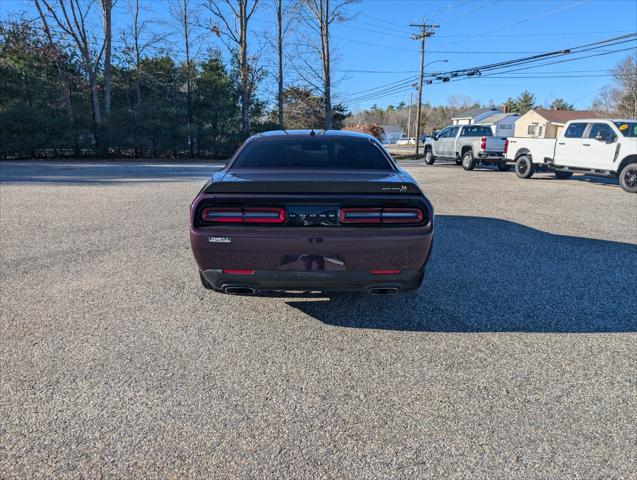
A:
(490, 275)
(78, 173)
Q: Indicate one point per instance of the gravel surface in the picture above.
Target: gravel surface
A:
(516, 359)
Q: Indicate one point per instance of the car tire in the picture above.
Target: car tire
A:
(562, 175)
(524, 167)
(628, 178)
(429, 157)
(468, 162)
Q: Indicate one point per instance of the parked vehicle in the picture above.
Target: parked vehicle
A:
(595, 147)
(468, 145)
(306, 210)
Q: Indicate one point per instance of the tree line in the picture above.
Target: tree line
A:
(70, 85)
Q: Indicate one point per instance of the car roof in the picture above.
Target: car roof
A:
(297, 134)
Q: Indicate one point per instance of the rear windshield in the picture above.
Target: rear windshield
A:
(628, 129)
(476, 131)
(318, 153)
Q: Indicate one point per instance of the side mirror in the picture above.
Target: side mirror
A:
(435, 136)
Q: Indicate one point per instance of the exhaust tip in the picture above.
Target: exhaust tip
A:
(383, 290)
(238, 290)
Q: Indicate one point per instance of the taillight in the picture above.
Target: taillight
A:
(402, 215)
(483, 143)
(360, 215)
(264, 215)
(221, 215)
(381, 215)
(242, 215)
(384, 272)
(506, 146)
(238, 272)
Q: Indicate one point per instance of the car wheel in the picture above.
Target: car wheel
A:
(562, 175)
(468, 163)
(429, 157)
(503, 167)
(524, 167)
(628, 178)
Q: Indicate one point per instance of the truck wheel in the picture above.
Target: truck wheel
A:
(628, 178)
(468, 163)
(503, 167)
(429, 157)
(524, 167)
(562, 175)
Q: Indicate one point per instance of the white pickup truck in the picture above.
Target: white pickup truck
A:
(468, 145)
(594, 147)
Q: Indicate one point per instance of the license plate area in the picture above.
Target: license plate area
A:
(312, 215)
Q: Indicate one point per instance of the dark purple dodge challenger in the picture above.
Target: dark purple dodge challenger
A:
(311, 210)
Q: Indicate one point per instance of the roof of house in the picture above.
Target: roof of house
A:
(496, 117)
(476, 111)
(563, 116)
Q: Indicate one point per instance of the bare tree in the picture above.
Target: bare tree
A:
(72, 18)
(59, 65)
(324, 15)
(279, 44)
(234, 19)
(620, 98)
(182, 12)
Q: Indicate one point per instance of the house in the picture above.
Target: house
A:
(474, 116)
(392, 134)
(502, 124)
(541, 123)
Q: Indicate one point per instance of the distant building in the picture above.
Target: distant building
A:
(392, 134)
(502, 124)
(541, 123)
(474, 116)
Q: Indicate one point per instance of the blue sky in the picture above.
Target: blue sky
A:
(374, 47)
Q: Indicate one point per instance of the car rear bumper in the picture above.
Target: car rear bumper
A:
(492, 156)
(331, 258)
(325, 281)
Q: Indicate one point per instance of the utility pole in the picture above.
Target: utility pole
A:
(425, 31)
(409, 116)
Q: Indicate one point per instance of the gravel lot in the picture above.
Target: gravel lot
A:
(516, 359)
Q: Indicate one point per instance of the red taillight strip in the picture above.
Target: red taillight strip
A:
(238, 272)
(402, 215)
(239, 215)
(384, 215)
(384, 272)
(360, 215)
(264, 215)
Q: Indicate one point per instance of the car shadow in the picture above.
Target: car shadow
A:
(491, 275)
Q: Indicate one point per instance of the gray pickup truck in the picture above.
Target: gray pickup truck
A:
(468, 145)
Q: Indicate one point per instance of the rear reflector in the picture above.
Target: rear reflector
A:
(245, 215)
(384, 272)
(360, 215)
(381, 215)
(238, 272)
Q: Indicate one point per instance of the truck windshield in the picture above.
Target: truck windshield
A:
(476, 131)
(317, 153)
(628, 129)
